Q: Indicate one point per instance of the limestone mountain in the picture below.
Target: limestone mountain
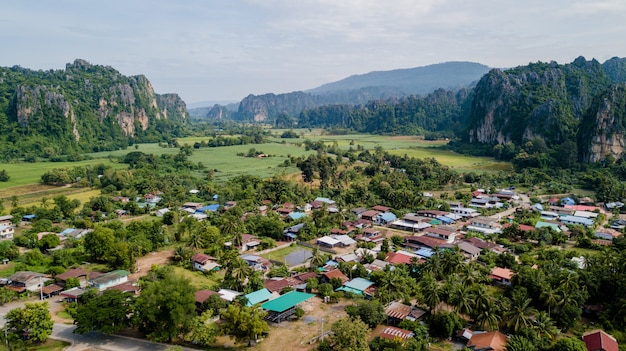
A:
(360, 90)
(82, 108)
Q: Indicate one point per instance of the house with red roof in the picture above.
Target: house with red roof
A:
(501, 275)
(489, 341)
(204, 263)
(335, 273)
(393, 333)
(599, 340)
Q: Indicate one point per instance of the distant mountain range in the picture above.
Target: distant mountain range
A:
(354, 90)
(411, 81)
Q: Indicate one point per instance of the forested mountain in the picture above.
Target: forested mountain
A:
(441, 111)
(358, 90)
(547, 102)
(410, 81)
(82, 108)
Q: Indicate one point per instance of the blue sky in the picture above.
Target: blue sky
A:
(224, 50)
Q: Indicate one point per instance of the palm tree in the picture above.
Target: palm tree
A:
(317, 257)
(550, 297)
(519, 343)
(518, 316)
(544, 326)
(431, 291)
(489, 317)
(196, 240)
(240, 272)
(461, 298)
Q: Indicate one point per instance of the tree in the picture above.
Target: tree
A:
(4, 176)
(518, 316)
(31, 323)
(350, 335)
(568, 344)
(166, 307)
(49, 241)
(371, 313)
(444, 324)
(106, 313)
(519, 343)
(203, 330)
(244, 323)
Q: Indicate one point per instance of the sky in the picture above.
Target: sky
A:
(210, 50)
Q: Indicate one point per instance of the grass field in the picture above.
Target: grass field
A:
(25, 177)
(198, 279)
(49, 345)
(279, 255)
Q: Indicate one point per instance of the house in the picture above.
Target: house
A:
(327, 241)
(325, 200)
(501, 275)
(400, 257)
(294, 216)
(259, 296)
(385, 218)
(203, 295)
(208, 208)
(393, 333)
(193, 206)
(417, 242)
(598, 340)
(291, 233)
(349, 257)
(335, 273)
(359, 286)
(586, 214)
(161, 212)
(257, 263)
(396, 312)
(607, 233)
(489, 341)
(77, 273)
(443, 234)
(469, 251)
(486, 245)
(27, 280)
(618, 224)
(370, 215)
(249, 242)
(484, 225)
(110, 279)
(431, 213)
(6, 232)
(464, 211)
(567, 201)
(549, 215)
(152, 198)
(51, 290)
(573, 220)
(380, 208)
(358, 211)
(204, 263)
(554, 226)
(228, 295)
(344, 240)
(370, 234)
(6, 220)
(73, 294)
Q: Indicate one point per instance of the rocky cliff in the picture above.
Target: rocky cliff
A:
(604, 125)
(544, 100)
(82, 108)
(260, 108)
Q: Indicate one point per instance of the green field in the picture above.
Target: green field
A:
(227, 164)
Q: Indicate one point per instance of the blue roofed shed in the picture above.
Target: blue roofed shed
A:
(258, 296)
(425, 252)
(554, 226)
(567, 201)
(445, 220)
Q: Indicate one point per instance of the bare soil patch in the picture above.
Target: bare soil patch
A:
(146, 262)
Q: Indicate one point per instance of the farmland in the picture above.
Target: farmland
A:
(226, 164)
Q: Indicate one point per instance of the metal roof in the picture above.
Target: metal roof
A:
(287, 301)
(359, 284)
(258, 296)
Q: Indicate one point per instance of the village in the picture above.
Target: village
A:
(371, 239)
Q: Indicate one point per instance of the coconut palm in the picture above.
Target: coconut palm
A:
(431, 291)
(317, 257)
(544, 326)
(489, 316)
(519, 343)
(518, 317)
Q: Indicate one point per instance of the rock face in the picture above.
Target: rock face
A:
(266, 107)
(544, 100)
(89, 104)
(603, 127)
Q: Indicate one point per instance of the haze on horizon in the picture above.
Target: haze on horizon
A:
(225, 50)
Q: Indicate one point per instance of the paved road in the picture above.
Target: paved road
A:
(103, 342)
(91, 341)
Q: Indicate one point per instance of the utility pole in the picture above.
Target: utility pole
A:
(322, 328)
(40, 289)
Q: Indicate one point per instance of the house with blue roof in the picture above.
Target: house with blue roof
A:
(573, 220)
(385, 218)
(425, 252)
(258, 296)
(554, 226)
(208, 208)
(567, 201)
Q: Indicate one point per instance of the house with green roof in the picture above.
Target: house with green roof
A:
(554, 226)
(110, 279)
(258, 296)
(359, 286)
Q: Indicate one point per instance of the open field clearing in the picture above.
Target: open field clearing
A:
(25, 173)
(458, 162)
